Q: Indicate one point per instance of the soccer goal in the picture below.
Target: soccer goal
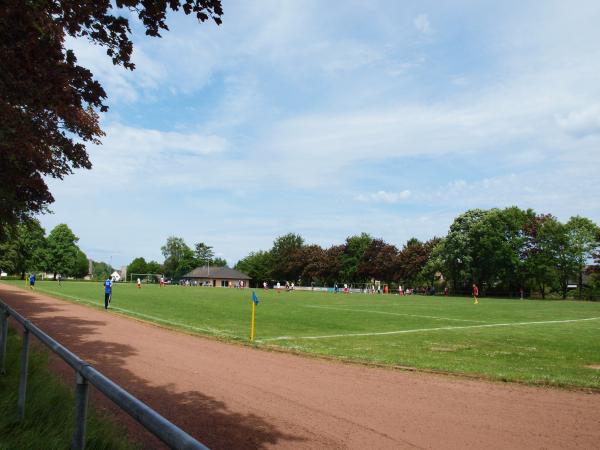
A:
(146, 277)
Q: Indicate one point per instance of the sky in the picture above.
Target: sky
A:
(328, 119)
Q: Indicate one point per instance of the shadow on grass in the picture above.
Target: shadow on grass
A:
(206, 418)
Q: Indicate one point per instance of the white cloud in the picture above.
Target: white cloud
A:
(310, 105)
(421, 23)
(581, 123)
(384, 197)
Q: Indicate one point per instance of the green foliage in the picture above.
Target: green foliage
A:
(81, 265)
(64, 256)
(354, 250)
(25, 248)
(412, 261)
(256, 265)
(101, 270)
(138, 265)
(179, 258)
(49, 415)
(283, 255)
(204, 253)
(154, 267)
(218, 262)
(379, 261)
(459, 253)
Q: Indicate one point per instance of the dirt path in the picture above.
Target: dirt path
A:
(232, 397)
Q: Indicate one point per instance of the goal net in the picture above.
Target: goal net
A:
(145, 277)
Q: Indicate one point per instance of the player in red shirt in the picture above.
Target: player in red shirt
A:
(475, 293)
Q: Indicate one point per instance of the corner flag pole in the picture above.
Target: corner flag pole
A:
(254, 303)
(252, 330)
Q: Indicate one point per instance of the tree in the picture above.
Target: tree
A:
(138, 265)
(281, 255)
(101, 270)
(63, 252)
(594, 269)
(25, 248)
(81, 265)
(179, 258)
(496, 242)
(539, 252)
(154, 267)
(314, 262)
(581, 246)
(204, 253)
(219, 262)
(435, 261)
(412, 260)
(332, 269)
(459, 254)
(354, 249)
(48, 103)
(379, 261)
(257, 265)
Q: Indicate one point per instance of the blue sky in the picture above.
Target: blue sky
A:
(332, 118)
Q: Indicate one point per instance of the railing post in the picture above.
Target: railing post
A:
(3, 338)
(81, 402)
(23, 372)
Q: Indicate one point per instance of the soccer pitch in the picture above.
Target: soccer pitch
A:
(541, 342)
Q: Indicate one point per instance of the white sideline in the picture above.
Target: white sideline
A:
(146, 316)
(391, 313)
(420, 330)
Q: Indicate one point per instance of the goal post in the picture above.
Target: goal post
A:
(145, 277)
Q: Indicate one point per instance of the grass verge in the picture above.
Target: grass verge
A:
(49, 409)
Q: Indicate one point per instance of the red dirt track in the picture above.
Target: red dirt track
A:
(231, 396)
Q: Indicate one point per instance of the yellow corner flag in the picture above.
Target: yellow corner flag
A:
(254, 303)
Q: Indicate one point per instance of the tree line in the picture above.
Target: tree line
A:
(26, 248)
(501, 250)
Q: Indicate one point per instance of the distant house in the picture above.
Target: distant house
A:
(217, 276)
(116, 276)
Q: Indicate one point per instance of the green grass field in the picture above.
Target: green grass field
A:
(538, 342)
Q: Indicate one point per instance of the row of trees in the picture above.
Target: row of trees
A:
(502, 250)
(360, 259)
(179, 259)
(28, 249)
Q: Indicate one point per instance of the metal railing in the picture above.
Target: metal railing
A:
(166, 431)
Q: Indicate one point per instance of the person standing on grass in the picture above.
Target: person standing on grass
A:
(139, 283)
(475, 293)
(59, 278)
(107, 292)
(31, 281)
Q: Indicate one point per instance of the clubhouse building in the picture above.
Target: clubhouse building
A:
(218, 277)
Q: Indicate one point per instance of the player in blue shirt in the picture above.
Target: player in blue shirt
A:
(31, 281)
(107, 292)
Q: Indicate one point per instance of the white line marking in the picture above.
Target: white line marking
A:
(146, 316)
(420, 330)
(392, 314)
